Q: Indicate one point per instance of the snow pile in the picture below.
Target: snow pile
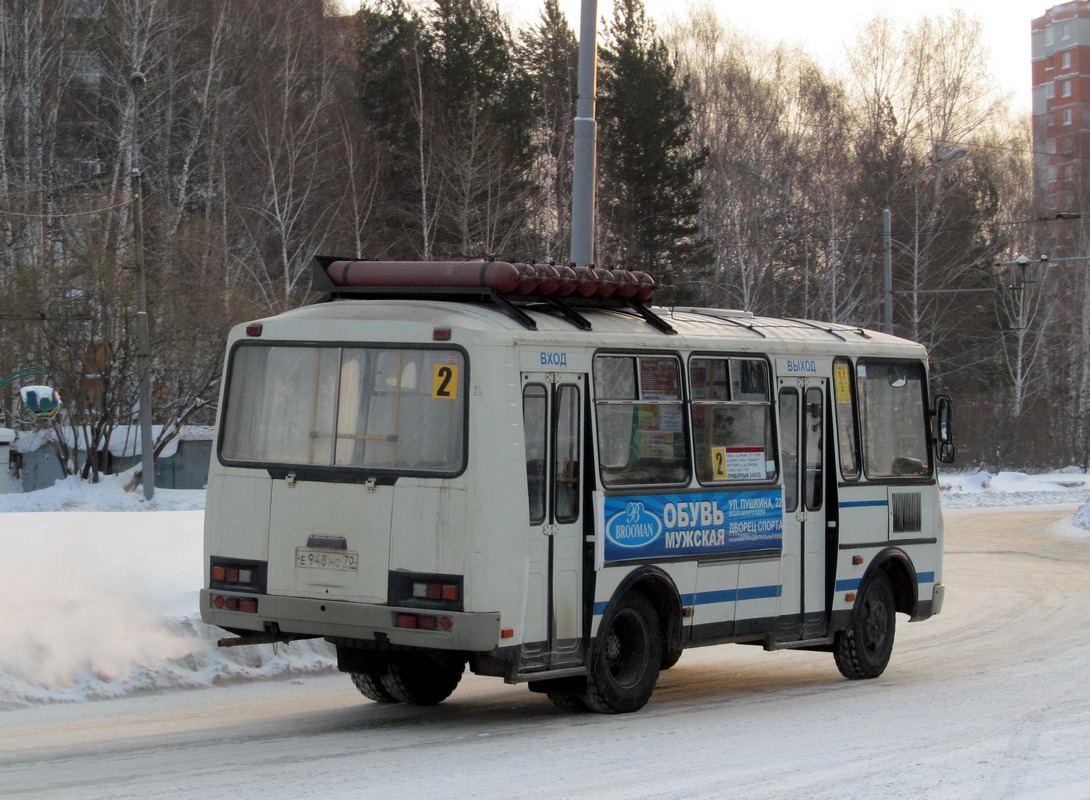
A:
(101, 602)
(982, 489)
(111, 493)
(1082, 517)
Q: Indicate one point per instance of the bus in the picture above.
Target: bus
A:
(536, 473)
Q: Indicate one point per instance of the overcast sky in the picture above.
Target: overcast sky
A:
(825, 28)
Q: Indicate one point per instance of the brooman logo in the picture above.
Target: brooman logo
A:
(633, 527)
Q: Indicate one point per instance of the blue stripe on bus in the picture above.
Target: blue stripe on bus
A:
(757, 593)
(851, 584)
(718, 596)
(863, 503)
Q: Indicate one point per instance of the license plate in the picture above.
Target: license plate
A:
(341, 560)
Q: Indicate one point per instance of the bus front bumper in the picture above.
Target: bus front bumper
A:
(938, 593)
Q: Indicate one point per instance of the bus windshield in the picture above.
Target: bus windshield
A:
(400, 409)
(894, 418)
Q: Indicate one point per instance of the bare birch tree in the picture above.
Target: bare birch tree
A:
(741, 119)
(550, 51)
(932, 75)
(284, 213)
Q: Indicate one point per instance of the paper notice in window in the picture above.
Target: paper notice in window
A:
(738, 463)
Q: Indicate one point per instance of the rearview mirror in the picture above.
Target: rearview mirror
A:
(944, 414)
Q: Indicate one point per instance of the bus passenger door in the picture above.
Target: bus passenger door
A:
(552, 409)
(802, 438)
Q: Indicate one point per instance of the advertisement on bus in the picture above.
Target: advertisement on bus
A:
(657, 526)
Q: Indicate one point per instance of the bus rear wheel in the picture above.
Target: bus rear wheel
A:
(863, 649)
(372, 688)
(568, 702)
(626, 658)
(423, 679)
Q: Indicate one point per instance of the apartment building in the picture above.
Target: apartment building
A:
(1061, 106)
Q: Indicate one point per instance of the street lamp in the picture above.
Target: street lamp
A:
(887, 238)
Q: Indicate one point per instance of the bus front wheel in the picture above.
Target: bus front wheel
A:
(863, 649)
(626, 658)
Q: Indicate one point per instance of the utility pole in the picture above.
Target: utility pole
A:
(887, 238)
(586, 135)
(887, 273)
(143, 341)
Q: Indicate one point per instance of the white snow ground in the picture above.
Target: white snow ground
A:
(99, 589)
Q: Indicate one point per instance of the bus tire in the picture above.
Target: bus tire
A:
(626, 659)
(422, 679)
(670, 657)
(863, 649)
(372, 688)
(568, 702)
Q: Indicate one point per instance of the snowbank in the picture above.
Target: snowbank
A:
(100, 602)
(1082, 517)
(109, 494)
(982, 489)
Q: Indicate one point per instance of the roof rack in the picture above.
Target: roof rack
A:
(510, 287)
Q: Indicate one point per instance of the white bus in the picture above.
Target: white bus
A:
(532, 472)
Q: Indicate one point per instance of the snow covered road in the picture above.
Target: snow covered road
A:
(989, 700)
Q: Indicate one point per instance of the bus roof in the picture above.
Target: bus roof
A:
(546, 303)
(689, 327)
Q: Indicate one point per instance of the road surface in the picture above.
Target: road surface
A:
(989, 700)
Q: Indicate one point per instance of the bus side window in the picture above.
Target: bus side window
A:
(641, 421)
(813, 428)
(844, 404)
(566, 468)
(731, 414)
(534, 410)
(789, 448)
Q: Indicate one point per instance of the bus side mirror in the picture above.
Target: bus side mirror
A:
(944, 412)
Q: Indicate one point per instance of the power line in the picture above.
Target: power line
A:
(64, 215)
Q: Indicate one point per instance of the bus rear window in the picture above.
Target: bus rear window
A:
(400, 409)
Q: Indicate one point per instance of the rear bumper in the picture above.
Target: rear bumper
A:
(470, 631)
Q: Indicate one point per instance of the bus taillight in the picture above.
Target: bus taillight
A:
(237, 575)
(431, 591)
(425, 622)
(247, 605)
(436, 591)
